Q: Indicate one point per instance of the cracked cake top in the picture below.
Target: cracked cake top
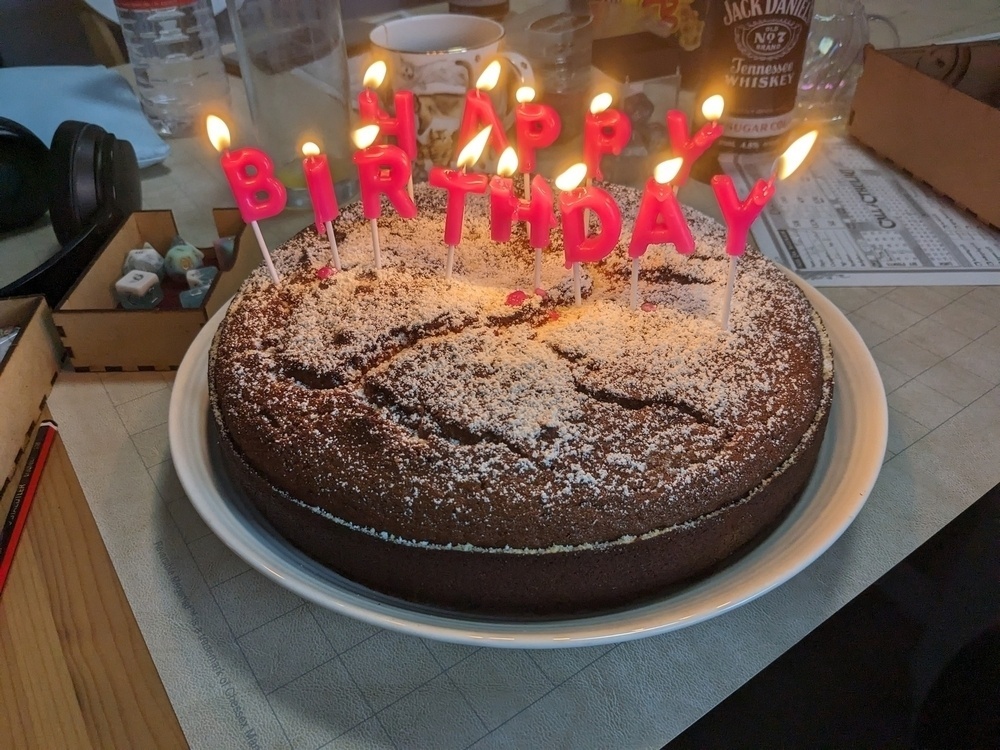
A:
(435, 412)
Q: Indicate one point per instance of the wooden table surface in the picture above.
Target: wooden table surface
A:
(74, 668)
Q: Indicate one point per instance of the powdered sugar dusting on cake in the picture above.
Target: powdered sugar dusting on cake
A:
(423, 396)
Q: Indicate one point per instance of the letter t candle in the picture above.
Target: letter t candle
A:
(458, 182)
(740, 215)
(248, 186)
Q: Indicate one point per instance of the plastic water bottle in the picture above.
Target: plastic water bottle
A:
(173, 46)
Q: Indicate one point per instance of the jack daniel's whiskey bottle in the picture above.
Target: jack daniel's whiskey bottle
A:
(754, 59)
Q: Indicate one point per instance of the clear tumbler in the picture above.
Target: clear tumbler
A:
(293, 61)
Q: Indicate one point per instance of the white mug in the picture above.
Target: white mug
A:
(439, 57)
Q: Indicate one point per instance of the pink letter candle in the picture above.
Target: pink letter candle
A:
(324, 200)
(740, 215)
(479, 111)
(403, 127)
(574, 201)
(250, 173)
(382, 170)
(458, 183)
(692, 148)
(605, 131)
(505, 209)
(503, 201)
(660, 220)
(537, 127)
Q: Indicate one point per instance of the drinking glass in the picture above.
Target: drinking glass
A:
(293, 61)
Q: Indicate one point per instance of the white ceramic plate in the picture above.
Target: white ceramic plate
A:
(848, 465)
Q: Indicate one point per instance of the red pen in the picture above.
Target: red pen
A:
(24, 495)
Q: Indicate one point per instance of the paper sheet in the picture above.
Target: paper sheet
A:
(851, 219)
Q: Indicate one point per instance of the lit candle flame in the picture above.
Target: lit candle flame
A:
(600, 103)
(489, 77)
(507, 163)
(572, 177)
(375, 74)
(667, 170)
(218, 132)
(712, 107)
(524, 95)
(794, 155)
(310, 149)
(474, 148)
(365, 136)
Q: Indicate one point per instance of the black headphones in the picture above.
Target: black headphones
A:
(89, 182)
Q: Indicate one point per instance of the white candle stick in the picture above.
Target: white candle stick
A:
(451, 261)
(634, 298)
(538, 268)
(375, 244)
(728, 301)
(527, 185)
(333, 245)
(266, 253)
(576, 283)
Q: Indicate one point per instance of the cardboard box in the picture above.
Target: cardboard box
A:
(99, 336)
(27, 372)
(933, 111)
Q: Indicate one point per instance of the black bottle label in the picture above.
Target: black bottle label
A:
(755, 62)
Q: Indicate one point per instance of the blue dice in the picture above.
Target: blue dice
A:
(181, 258)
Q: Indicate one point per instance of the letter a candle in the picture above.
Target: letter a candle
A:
(324, 200)
(660, 220)
(458, 182)
(740, 215)
(382, 170)
(403, 126)
(573, 203)
(479, 110)
(250, 173)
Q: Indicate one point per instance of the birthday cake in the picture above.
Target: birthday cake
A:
(460, 443)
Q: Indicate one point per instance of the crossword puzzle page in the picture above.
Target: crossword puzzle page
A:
(849, 218)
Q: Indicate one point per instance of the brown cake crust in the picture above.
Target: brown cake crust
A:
(429, 440)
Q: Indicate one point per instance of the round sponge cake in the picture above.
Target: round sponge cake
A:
(457, 443)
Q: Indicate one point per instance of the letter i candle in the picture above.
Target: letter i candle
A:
(248, 186)
(403, 126)
(324, 200)
(382, 170)
(740, 215)
(660, 220)
(574, 202)
(458, 182)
